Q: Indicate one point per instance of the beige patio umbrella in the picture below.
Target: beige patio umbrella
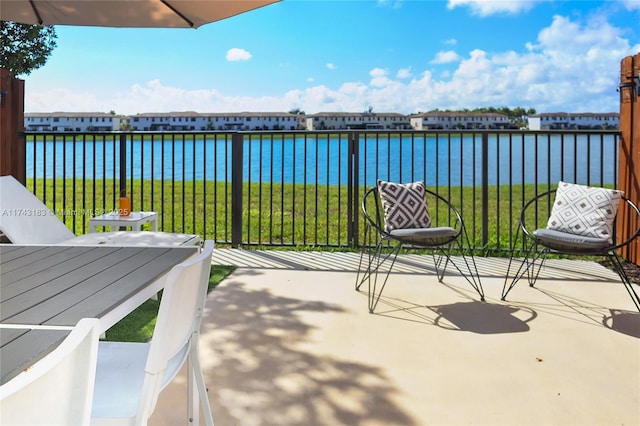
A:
(125, 13)
(100, 13)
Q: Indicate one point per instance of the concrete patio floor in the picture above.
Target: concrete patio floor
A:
(286, 340)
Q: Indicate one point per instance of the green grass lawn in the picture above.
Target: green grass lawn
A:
(138, 325)
(294, 216)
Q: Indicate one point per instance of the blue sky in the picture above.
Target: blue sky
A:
(401, 56)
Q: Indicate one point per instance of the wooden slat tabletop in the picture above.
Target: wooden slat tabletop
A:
(44, 286)
(59, 285)
(21, 348)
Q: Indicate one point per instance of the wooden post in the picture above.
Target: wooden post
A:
(629, 162)
(12, 144)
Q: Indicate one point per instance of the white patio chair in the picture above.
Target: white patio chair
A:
(130, 376)
(56, 390)
(24, 219)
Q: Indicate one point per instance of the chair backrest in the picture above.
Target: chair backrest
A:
(24, 219)
(372, 208)
(179, 317)
(536, 212)
(58, 389)
(442, 212)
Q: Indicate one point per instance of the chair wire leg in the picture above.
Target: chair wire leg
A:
(362, 276)
(628, 285)
(470, 273)
(366, 274)
(534, 271)
(505, 289)
(359, 280)
(525, 266)
(473, 273)
(380, 259)
(443, 256)
(362, 252)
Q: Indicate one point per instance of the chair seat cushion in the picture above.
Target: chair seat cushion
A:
(425, 235)
(570, 242)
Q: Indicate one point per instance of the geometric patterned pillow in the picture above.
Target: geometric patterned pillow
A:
(404, 205)
(585, 210)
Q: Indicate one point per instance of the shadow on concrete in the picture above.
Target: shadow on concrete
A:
(261, 373)
(474, 316)
(483, 317)
(625, 322)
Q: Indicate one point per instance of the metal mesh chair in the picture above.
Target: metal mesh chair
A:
(538, 241)
(382, 246)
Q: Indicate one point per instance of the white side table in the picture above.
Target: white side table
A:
(135, 220)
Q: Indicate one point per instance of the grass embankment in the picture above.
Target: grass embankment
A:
(296, 216)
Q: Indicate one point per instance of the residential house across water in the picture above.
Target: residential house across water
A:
(186, 121)
(357, 120)
(285, 121)
(71, 122)
(574, 121)
(456, 120)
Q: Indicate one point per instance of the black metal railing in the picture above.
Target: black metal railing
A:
(303, 189)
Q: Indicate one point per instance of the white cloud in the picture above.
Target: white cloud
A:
(443, 57)
(570, 66)
(404, 73)
(395, 4)
(331, 66)
(491, 7)
(451, 41)
(631, 4)
(237, 54)
(63, 99)
(379, 77)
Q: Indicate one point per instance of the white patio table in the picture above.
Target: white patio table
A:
(134, 220)
(43, 287)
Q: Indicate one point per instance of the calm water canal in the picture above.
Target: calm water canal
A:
(439, 160)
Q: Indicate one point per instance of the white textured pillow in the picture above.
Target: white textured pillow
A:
(405, 206)
(585, 210)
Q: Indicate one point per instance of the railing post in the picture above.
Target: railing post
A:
(237, 172)
(485, 188)
(123, 165)
(12, 140)
(353, 192)
(629, 158)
